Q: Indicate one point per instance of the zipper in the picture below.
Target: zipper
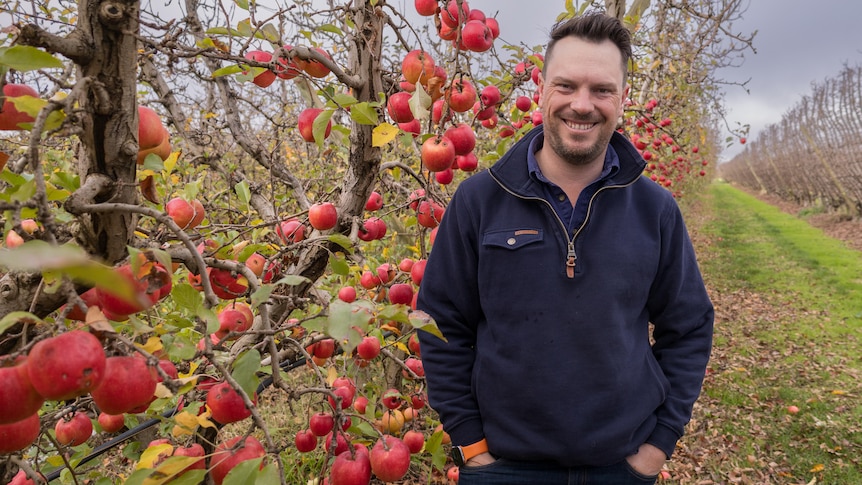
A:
(571, 255)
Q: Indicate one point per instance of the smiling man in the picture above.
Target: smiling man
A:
(544, 278)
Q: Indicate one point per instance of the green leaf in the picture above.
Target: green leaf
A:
(245, 369)
(423, 321)
(243, 4)
(342, 320)
(227, 70)
(11, 319)
(187, 297)
(420, 103)
(318, 128)
(293, 280)
(270, 33)
(268, 475)
(221, 31)
(330, 28)
(364, 114)
(261, 295)
(244, 26)
(243, 192)
(342, 241)
(343, 100)
(40, 257)
(339, 265)
(245, 473)
(26, 58)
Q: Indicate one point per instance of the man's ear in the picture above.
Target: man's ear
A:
(626, 92)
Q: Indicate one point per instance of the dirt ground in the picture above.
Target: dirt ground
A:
(838, 226)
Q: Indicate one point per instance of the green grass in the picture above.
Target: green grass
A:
(788, 325)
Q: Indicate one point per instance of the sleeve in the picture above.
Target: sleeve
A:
(683, 318)
(449, 294)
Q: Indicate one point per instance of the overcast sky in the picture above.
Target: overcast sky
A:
(798, 42)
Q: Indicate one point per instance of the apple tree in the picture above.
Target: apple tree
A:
(216, 215)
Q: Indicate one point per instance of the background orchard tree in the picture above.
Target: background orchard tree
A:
(236, 196)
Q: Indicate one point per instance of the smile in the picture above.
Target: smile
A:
(578, 126)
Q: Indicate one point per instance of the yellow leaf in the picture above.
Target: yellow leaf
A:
(332, 374)
(838, 392)
(162, 391)
(153, 345)
(817, 468)
(172, 160)
(168, 470)
(193, 366)
(153, 454)
(383, 134)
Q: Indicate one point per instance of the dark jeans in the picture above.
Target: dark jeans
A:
(508, 472)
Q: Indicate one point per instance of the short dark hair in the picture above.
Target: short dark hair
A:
(594, 27)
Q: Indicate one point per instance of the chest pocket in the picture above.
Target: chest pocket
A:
(512, 238)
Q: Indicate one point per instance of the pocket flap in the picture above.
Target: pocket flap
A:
(512, 238)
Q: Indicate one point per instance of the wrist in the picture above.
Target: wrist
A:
(462, 454)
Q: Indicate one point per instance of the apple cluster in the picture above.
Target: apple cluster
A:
(286, 66)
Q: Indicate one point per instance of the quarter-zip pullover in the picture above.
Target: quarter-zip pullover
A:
(547, 352)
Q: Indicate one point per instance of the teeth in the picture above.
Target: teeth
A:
(579, 126)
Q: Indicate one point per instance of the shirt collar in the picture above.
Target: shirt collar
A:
(611, 165)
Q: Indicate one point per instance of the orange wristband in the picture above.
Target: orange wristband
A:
(476, 448)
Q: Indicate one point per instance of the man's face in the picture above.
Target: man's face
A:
(581, 94)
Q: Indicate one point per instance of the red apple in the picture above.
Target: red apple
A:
(226, 284)
(368, 231)
(321, 423)
(490, 96)
(305, 124)
(21, 478)
(415, 365)
(75, 430)
(523, 103)
(451, 16)
(341, 443)
(18, 398)
(369, 280)
(350, 469)
(391, 398)
(231, 453)
(453, 474)
(418, 271)
(390, 458)
(463, 138)
(347, 294)
(286, 68)
(232, 319)
(468, 162)
(194, 450)
(111, 423)
(374, 202)
(267, 77)
(19, 435)
(398, 107)
(417, 66)
(493, 26)
(429, 214)
(414, 440)
(476, 36)
(414, 127)
(313, 67)
(151, 131)
(186, 214)
(10, 117)
(385, 272)
(128, 384)
(360, 404)
(536, 118)
(368, 348)
(291, 230)
(66, 366)
(461, 95)
(322, 216)
(226, 404)
(401, 293)
(426, 8)
(147, 282)
(437, 153)
(345, 393)
(305, 441)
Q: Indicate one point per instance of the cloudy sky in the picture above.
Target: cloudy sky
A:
(798, 42)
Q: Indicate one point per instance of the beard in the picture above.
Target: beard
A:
(574, 155)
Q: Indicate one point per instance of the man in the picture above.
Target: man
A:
(544, 277)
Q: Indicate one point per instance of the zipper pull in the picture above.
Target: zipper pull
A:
(570, 260)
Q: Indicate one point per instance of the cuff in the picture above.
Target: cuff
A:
(664, 438)
(466, 432)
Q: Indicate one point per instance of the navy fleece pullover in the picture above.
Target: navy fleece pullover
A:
(547, 352)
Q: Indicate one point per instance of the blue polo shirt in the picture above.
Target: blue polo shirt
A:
(572, 215)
